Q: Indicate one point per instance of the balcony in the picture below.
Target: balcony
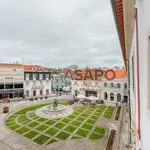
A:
(37, 87)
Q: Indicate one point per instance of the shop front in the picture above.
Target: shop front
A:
(91, 93)
(10, 94)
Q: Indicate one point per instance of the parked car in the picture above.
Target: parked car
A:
(66, 89)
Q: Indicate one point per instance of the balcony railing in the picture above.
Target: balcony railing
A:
(37, 86)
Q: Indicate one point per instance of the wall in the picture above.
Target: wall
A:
(78, 85)
(144, 120)
(144, 25)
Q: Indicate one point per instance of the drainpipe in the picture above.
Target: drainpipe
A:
(130, 140)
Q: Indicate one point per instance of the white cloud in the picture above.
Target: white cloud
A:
(59, 32)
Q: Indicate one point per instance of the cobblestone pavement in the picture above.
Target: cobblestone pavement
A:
(9, 140)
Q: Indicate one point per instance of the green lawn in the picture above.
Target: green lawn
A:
(100, 130)
(80, 119)
(33, 124)
(14, 127)
(87, 126)
(63, 135)
(51, 141)
(76, 123)
(23, 111)
(94, 136)
(82, 132)
(65, 120)
(70, 128)
(91, 121)
(51, 129)
(22, 130)
(41, 127)
(31, 134)
(41, 119)
(50, 122)
(60, 125)
(41, 139)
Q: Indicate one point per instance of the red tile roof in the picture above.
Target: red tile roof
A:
(32, 67)
(26, 67)
(10, 65)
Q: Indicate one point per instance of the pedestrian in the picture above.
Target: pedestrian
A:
(60, 93)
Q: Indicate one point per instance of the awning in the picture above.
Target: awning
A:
(11, 91)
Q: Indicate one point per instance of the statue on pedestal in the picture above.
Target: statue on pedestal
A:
(55, 103)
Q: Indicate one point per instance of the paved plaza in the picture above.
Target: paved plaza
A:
(85, 128)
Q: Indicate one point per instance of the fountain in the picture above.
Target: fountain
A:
(54, 110)
(55, 107)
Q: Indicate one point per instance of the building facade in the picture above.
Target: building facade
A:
(112, 92)
(11, 81)
(132, 19)
(37, 81)
(59, 81)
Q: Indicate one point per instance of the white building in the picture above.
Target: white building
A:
(111, 91)
(11, 81)
(37, 82)
(133, 24)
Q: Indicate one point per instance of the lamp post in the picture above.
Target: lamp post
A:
(130, 140)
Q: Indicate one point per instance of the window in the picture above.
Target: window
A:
(41, 76)
(26, 76)
(27, 83)
(111, 96)
(112, 85)
(47, 91)
(1, 86)
(8, 86)
(133, 72)
(105, 95)
(118, 97)
(30, 76)
(18, 86)
(27, 93)
(41, 83)
(41, 92)
(118, 85)
(47, 76)
(76, 93)
(105, 84)
(34, 93)
(34, 83)
(125, 86)
(47, 81)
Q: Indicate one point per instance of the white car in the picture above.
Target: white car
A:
(66, 89)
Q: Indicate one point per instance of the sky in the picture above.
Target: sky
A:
(59, 33)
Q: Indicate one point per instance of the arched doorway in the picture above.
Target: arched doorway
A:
(47, 91)
(118, 97)
(27, 93)
(112, 96)
(105, 95)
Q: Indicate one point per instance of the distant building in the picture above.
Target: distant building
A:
(59, 81)
(111, 91)
(37, 82)
(11, 81)
(73, 67)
